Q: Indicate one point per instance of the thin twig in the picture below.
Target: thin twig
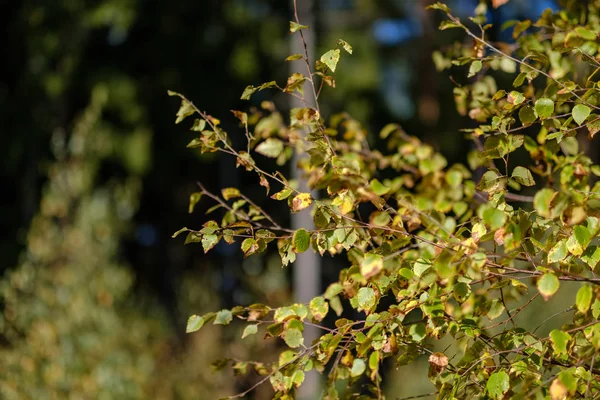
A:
(263, 212)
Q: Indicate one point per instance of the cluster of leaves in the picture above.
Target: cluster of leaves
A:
(433, 252)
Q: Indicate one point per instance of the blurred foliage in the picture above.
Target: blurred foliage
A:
(70, 327)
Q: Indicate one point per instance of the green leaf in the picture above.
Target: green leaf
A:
(293, 337)
(420, 266)
(580, 113)
(193, 237)
(374, 361)
(336, 305)
(297, 378)
(331, 59)
(454, 178)
(542, 200)
(497, 385)
(194, 323)
(345, 45)
(527, 115)
(389, 129)
(194, 199)
(418, 331)
(371, 265)
(494, 218)
(591, 256)
(579, 240)
(185, 110)
(319, 308)
(249, 246)
(209, 241)
(585, 33)
(199, 125)
(475, 68)
(287, 357)
(515, 97)
(379, 188)
(223, 317)
(520, 79)
(439, 6)
(491, 182)
(523, 176)
(446, 24)
(282, 195)
(358, 367)
(583, 300)
(496, 309)
(294, 27)
(333, 290)
(179, 232)
(548, 285)
(248, 92)
(366, 298)
(544, 107)
(271, 147)
(559, 340)
(250, 330)
(558, 252)
(300, 241)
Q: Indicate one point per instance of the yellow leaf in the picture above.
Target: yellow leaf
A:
(558, 391)
(301, 201)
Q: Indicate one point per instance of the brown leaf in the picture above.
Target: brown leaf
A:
(438, 362)
(499, 236)
(264, 182)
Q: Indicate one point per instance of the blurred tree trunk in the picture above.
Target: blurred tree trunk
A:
(307, 268)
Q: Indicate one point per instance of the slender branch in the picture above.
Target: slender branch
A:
(263, 212)
(518, 61)
(307, 58)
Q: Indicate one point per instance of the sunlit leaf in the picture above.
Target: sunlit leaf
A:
(294, 27)
(318, 308)
(559, 340)
(583, 300)
(294, 57)
(301, 241)
(331, 59)
(345, 45)
(194, 323)
(497, 385)
(271, 147)
(293, 338)
(580, 113)
(371, 265)
(544, 108)
(548, 285)
(250, 330)
(301, 201)
(223, 317)
(358, 367)
(475, 68)
(523, 176)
